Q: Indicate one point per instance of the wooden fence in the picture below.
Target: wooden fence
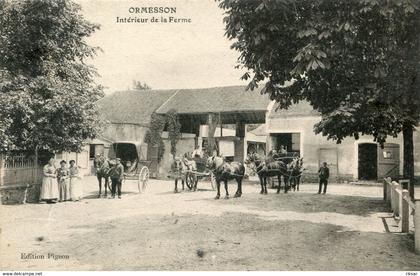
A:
(20, 179)
(404, 207)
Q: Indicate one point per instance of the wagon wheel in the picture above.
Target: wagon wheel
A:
(143, 179)
(213, 181)
(189, 180)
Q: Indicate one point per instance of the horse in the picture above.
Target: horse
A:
(182, 168)
(224, 171)
(269, 167)
(178, 169)
(102, 171)
(296, 170)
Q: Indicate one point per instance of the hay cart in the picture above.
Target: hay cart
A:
(133, 157)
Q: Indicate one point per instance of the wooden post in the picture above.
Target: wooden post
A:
(385, 184)
(240, 142)
(212, 124)
(221, 125)
(389, 192)
(392, 198)
(405, 213)
(417, 226)
(400, 200)
(396, 200)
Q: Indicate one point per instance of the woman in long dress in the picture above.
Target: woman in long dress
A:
(75, 184)
(63, 178)
(49, 188)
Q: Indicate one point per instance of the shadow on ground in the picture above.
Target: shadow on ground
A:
(233, 241)
(310, 202)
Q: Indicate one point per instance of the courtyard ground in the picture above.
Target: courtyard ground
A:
(349, 228)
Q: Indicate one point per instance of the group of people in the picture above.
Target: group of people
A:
(62, 184)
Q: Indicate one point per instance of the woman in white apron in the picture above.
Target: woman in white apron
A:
(49, 188)
(76, 189)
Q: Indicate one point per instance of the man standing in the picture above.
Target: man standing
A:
(324, 174)
(117, 174)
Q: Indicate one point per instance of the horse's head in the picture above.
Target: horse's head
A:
(210, 164)
(251, 158)
(296, 164)
(177, 164)
(214, 162)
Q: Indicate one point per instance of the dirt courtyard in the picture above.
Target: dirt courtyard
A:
(349, 228)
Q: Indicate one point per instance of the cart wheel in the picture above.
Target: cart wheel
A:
(189, 180)
(213, 181)
(143, 179)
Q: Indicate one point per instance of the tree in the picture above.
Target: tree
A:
(47, 91)
(356, 62)
(138, 85)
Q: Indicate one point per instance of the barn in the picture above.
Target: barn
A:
(221, 113)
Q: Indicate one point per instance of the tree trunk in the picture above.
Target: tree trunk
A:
(408, 170)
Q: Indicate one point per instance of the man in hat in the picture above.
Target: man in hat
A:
(324, 174)
(117, 175)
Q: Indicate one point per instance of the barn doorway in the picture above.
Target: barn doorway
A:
(290, 141)
(368, 161)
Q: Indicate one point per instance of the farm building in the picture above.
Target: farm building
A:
(351, 160)
(227, 109)
(224, 112)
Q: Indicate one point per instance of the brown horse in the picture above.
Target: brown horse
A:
(224, 171)
(102, 167)
(178, 171)
(269, 167)
(296, 169)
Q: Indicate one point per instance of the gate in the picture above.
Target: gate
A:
(20, 179)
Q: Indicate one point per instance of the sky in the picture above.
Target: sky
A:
(164, 55)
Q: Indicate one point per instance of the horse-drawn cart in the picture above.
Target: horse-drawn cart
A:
(202, 173)
(133, 157)
(191, 171)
